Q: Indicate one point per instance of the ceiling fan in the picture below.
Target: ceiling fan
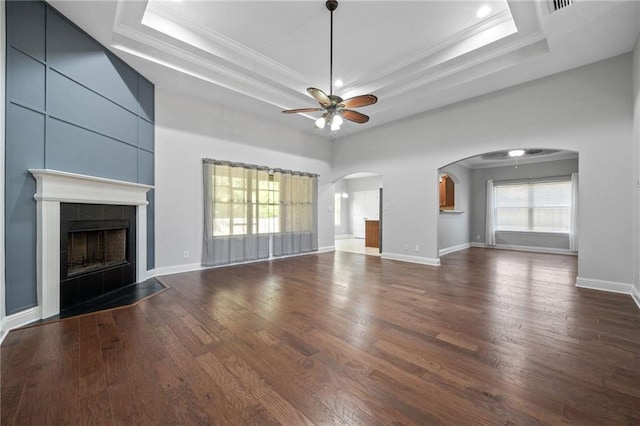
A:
(335, 108)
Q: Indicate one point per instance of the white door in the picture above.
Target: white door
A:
(365, 206)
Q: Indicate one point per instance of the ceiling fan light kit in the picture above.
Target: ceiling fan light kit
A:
(335, 108)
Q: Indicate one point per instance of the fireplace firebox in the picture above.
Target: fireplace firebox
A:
(97, 251)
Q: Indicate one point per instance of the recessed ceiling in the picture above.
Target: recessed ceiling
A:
(503, 159)
(260, 56)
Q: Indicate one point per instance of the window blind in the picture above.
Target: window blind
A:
(535, 206)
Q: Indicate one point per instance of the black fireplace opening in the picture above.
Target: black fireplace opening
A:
(97, 251)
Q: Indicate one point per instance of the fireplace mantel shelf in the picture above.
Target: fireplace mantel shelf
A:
(54, 185)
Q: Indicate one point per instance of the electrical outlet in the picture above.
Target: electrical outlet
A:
(185, 254)
(478, 237)
(417, 247)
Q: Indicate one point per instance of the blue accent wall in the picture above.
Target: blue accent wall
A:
(72, 106)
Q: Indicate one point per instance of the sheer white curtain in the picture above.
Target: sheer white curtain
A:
(247, 207)
(490, 218)
(298, 213)
(573, 233)
(232, 217)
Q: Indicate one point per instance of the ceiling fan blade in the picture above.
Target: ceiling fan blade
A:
(300, 110)
(354, 116)
(320, 96)
(359, 101)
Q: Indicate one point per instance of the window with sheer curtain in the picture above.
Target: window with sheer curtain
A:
(252, 212)
(535, 206)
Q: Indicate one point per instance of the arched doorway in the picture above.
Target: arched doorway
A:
(533, 205)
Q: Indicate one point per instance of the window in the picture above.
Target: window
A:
(337, 209)
(268, 205)
(538, 206)
(244, 201)
(252, 212)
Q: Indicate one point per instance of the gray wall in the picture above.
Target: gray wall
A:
(453, 228)
(72, 106)
(524, 171)
(345, 212)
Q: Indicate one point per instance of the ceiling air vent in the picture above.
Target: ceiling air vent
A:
(561, 4)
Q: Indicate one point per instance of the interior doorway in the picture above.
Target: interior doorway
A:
(518, 199)
(358, 213)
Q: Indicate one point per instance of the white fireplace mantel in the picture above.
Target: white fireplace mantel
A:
(55, 187)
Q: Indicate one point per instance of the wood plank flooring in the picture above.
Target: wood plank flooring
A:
(489, 337)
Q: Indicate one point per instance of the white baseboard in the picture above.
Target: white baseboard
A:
(635, 295)
(526, 248)
(343, 236)
(602, 285)
(175, 269)
(326, 249)
(610, 286)
(18, 320)
(453, 249)
(411, 259)
(191, 267)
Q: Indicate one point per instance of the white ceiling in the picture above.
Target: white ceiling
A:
(260, 56)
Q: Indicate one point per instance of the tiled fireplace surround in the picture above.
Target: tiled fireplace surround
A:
(55, 187)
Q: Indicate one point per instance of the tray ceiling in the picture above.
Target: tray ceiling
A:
(260, 56)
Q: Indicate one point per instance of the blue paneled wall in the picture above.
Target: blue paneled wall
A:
(71, 106)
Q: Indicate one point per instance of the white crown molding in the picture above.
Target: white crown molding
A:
(467, 62)
(411, 259)
(232, 65)
(239, 82)
(219, 40)
(235, 81)
(413, 59)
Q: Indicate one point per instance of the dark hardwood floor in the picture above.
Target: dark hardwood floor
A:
(489, 337)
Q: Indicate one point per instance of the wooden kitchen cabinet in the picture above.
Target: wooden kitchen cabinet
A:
(372, 233)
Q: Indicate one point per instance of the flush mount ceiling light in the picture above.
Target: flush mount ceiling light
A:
(516, 153)
(483, 11)
(334, 107)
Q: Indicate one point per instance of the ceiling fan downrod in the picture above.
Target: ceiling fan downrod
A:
(331, 5)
